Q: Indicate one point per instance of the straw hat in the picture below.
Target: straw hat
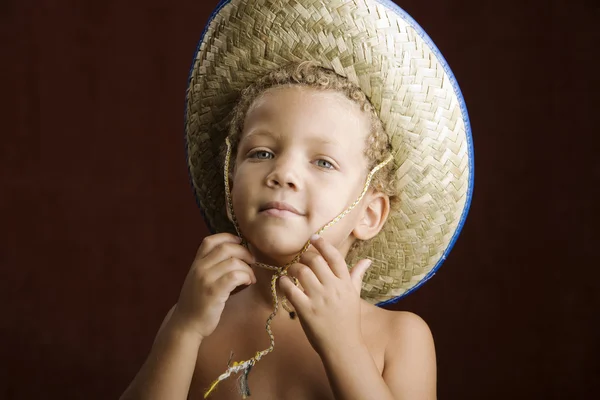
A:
(378, 46)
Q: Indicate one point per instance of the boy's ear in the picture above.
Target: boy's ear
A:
(374, 215)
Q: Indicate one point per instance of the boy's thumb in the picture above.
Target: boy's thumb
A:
(358, 273)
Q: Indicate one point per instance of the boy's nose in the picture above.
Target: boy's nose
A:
(284, 174)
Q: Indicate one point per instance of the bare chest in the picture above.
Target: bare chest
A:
(292, 371)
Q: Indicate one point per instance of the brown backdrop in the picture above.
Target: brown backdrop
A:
(99, 225)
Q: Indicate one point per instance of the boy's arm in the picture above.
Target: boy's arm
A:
(168, 371)
(410, 366)
(409, 371)
(221, 265)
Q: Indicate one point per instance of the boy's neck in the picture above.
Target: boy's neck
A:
(261, 290)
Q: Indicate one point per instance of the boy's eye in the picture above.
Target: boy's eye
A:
(324, 164)
(262, 155)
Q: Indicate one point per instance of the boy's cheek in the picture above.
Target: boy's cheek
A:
(240, 177)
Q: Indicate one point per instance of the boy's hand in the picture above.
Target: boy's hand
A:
(329, 306)
(221, 265)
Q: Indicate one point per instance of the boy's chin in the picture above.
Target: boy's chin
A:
(276, 251)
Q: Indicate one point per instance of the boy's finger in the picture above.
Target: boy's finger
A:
(294, 295)
(227, 266)
(225, 251)
(306, 277)
(212, 241)
(318, 265)
(332, 256)
(358, 273)
(231, 280)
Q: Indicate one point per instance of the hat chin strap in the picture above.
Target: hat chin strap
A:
(246, 366)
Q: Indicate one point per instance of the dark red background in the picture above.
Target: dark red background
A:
(99, 225)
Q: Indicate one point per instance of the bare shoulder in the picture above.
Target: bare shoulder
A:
(408, 326)
(409, 355)
(396, 325)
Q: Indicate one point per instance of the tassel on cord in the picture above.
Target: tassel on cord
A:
(234, 368)
(244, 387)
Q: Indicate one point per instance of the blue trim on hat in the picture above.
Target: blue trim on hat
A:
(421, 32)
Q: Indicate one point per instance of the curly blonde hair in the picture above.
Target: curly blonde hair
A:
(310, 74)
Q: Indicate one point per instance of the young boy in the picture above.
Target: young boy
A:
(307, 153)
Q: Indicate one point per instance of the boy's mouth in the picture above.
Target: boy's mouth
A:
(279, 209)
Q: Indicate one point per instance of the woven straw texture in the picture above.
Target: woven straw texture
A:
(373, 45)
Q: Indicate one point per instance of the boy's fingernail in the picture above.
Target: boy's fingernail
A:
(314, 237)
(238, 239)
(369, 263)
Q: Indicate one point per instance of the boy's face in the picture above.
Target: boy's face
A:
(300, 162)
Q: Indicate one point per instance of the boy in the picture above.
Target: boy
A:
(309, 154)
